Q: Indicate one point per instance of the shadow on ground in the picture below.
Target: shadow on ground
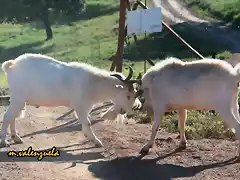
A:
(130, 168)
(127, 168)
(69, 126)
(13, 52)
(201, 36)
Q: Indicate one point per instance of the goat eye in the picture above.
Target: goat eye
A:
(128, 97)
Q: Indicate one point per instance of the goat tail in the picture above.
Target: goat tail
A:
(7, 64)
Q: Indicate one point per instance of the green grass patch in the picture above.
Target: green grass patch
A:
(3, 80)
(199, 124)
(228, 11)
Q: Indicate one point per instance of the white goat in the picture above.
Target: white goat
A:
(208, 84)
(40, 80)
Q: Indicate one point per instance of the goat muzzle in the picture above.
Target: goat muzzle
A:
(139, 93)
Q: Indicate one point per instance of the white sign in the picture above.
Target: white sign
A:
(144, 21)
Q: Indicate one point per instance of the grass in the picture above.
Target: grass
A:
(228, 11)
(199, 124)
(91, 39)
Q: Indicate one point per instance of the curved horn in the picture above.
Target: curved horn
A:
(139, 76)
(130, 74)
(117, 76)
(138, 80)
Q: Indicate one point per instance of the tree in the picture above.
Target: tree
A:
(23, 11)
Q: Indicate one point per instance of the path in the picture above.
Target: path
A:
(79, 160)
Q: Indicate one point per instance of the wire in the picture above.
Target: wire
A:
(145, 38)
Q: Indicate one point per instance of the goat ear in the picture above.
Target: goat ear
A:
(119, 86)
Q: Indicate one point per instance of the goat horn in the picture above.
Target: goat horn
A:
(127, 78)
(139, 76)
(130, 74)
(117, 76)
(137, 80)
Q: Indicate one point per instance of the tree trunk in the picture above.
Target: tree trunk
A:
(48, 29)
(47, 24)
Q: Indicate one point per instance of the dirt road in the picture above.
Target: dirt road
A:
(203, 159)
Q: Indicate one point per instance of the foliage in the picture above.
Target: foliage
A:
(199, 124)
(22, 11)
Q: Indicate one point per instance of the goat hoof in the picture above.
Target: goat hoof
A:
(5, 143)
(17, 139)
(182, 145)
(145, 150)
(238, 158)
(238, 155)
(98, 144)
